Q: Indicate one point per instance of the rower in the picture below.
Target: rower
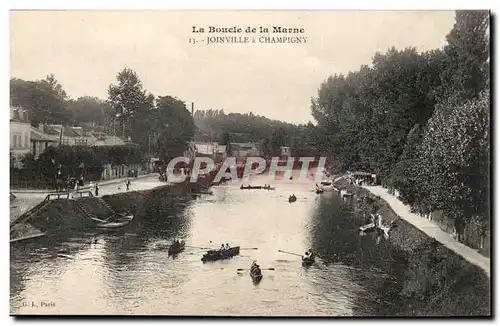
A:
(227, 246)
(222, 247)
(255, 269)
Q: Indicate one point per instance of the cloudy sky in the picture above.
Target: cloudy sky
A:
(86, 49)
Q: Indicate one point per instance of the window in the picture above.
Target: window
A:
(26, 141)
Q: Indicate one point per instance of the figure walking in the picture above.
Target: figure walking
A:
(96, 189)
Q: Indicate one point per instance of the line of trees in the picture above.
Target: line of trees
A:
(270, 135)
(420, 121)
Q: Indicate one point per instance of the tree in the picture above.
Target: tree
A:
(52, 83)
(131, 105)
(467, 54)
(43, 103)
(174, 125)
(226, 141)
(456, 149)
(88, 109)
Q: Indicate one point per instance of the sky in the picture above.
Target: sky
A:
(85, 50)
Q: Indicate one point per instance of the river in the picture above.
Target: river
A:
(131, 273)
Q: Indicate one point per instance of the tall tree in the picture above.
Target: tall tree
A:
(467, 53)
(131, 106)
(174, 125)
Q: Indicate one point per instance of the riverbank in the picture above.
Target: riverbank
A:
(434, 271)
(431, 229)
(61, 215)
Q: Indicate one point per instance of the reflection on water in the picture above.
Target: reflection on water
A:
(131, 273)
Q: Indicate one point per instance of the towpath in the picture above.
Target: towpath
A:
(431, 229)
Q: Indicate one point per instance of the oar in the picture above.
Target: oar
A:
(198, 247)
(290, 253)
(263, 269)
(249, 248)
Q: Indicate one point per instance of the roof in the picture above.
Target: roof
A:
(50, 130)
(67, 131)
(77, 130)
(108, 141)
(243, 145)
(40, 136)
(209, 148)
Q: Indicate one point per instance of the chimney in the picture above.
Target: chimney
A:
(192, 109)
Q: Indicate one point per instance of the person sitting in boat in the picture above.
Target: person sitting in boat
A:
(308, 254)
(255, 269)
(222, 247)
(241, 187)
(227, 247)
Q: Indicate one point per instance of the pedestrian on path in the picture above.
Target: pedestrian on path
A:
(96, 189)
(127, 183)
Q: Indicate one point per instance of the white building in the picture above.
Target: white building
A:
(20, 132)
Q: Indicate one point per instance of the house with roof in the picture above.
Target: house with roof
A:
(20, 129)
(40, 141)
(206, 149)
(243, 150)
(71, 136)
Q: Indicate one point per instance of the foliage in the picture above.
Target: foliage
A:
(131, 106)
(174, 125)
(418, 120)
(45, 100)
(270, 134)
(88, 109)
(69, 159)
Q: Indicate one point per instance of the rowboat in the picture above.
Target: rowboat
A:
(269, 188)
(121, 223)
(251, 187)
(176, 249)
(214, 255)
(256, 276)
(291, 199)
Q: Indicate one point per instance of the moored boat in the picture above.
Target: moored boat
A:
(214, 255)
(122, 221)
(292, 199)
(175, 249)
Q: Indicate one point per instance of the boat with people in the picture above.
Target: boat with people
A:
(268, 187)
(308, 258)
(292, 199)
(226, 253)
(250, 187)
(320, 190)
(176, 247)
(255, 272)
